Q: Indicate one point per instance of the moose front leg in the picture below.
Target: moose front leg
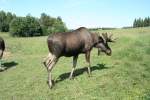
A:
(87, 56)
(74, 65)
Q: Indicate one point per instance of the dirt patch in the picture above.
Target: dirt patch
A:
(7, 54)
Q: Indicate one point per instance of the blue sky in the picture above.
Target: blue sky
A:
(87, 13)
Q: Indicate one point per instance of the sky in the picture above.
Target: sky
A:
(86, 13)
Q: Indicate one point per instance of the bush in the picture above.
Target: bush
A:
(30, 26)
(5, 19)
(25, 27)
(52, 25)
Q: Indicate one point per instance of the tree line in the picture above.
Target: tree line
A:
(29, 26)
(141, 22)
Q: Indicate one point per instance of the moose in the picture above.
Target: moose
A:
(2, 48)
(71, 44)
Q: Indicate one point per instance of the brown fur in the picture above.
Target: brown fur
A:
(72, 44)
(2, 47)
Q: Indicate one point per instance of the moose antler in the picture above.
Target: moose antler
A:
(108, 38)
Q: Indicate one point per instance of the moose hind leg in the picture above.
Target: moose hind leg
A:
(48, 60)
(49, 63)
(50, 67)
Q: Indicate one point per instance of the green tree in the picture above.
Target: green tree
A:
(25, 27)
(141, 22)
(3, 23)
(57, 26)
(33, 26)
(146, 22)
(30, 26)
(17, 26)
(148, 19)
(9, 18)
(45, 23)
(135, 23)
(52, 25)
(5, 19)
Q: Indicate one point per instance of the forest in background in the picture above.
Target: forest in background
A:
(29, 26)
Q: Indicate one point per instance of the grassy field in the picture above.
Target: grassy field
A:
(123, 76)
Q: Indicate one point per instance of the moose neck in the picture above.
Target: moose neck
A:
(94, 38)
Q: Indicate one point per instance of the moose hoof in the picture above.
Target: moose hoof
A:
(89, 75)
(2, 68)
(71, 78)
(50, 84)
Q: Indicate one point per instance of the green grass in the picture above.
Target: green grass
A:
(123, 76)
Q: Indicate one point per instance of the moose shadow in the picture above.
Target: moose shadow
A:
(80, 71)
(8, 65)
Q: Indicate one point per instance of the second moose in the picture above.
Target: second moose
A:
(73, 43)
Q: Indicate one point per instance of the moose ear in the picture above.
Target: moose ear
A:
(100, 39)
(108, 38)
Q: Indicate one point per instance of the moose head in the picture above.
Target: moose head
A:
(102, 44)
